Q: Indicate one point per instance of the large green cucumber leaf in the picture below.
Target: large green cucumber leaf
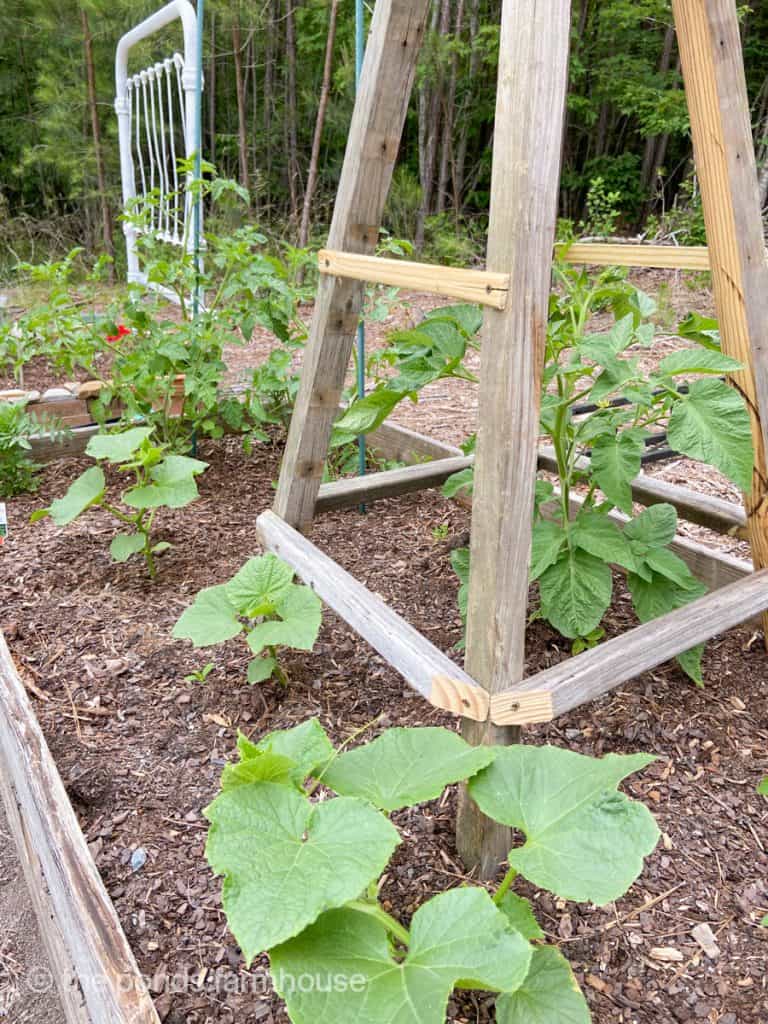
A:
(468, 316)
(711, 424)
(175, 494)
(616, 461)
(259, 585)
(464, 481)
(519, 912)
(307, 745)
(584, 840)
(575, 592)
(285, 860)
(301, 613)
(126, 544)
(117, 448)
(86, 491)
(549, 995)
(406, 766)
(458, 936)
(212, 619)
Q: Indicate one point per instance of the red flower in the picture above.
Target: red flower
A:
(122, 330)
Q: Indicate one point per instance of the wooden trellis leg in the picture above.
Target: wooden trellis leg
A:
(530, 109)
(374, 141)
(713, 69)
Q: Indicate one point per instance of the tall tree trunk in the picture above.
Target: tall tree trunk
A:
(242, 131)
(251, 77)
(290, 112)
(325, 90)
(210, 86)
(101, 180)
(449, 112)
(463, 118)
(651, 162)
(269, 32)
(429, 127)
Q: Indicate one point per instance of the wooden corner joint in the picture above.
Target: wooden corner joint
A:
(523, 707)
(460, 698)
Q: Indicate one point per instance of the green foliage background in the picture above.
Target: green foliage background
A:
(627, 117)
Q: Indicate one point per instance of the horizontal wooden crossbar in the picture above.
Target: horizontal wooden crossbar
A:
(589, 675)
(388, 483)
(621, 254)
(430, 672)
(481, 286)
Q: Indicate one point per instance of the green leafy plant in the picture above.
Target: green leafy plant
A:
(263, 600)
(432, 351)
(18, 470)
(159, 480)
(576, 540)
(57, 322)
(167, 372)
(302, 878)
(200, 674)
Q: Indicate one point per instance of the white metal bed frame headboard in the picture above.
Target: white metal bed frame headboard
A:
(147, 100)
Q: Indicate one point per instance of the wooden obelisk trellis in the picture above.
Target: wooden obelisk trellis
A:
(492, 695)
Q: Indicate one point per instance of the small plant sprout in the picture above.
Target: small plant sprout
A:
(440, 532)
(159, 480)
(262, 599)
(200, 674)
(301, 878)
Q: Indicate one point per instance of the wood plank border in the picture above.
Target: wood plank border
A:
(577, 680)
(479, 286)
(425, 668)
(93, 965)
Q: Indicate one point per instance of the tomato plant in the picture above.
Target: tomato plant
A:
(278, 612)
(159, 480)
(599, 452)
(302, 876)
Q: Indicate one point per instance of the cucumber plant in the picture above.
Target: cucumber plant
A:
(599, 452)
(302, 877)
(262, 599)
(159, 480)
